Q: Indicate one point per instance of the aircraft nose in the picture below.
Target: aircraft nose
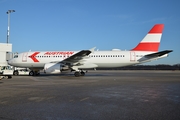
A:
(10, 62)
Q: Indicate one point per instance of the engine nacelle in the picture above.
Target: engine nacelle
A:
(52, 68)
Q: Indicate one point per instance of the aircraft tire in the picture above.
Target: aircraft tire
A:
(77, 74)
(82, 73)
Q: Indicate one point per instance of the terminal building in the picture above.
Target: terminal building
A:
(5, 53)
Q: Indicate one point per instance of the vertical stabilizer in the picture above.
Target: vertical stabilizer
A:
(152, 40)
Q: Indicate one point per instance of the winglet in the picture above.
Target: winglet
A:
(92, 49)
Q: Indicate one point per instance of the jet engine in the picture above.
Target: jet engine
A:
(54, 67)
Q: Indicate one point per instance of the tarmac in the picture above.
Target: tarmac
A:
(99, 95)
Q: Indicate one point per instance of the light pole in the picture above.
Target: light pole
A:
(8, 30)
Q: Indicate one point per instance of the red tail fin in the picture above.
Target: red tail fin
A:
(152, 40)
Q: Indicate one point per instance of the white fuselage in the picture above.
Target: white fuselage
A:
(58, 61)
(102, 59)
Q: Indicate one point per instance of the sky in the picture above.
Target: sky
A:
(55, 25)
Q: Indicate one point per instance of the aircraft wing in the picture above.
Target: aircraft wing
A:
(158, 54)
(77, 57)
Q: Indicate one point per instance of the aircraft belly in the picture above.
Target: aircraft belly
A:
(28, 65)
(103, 65)
(109, 62)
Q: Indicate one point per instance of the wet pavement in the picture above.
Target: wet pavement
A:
(102, 95)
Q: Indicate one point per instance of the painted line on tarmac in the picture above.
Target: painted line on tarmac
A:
(86, 98)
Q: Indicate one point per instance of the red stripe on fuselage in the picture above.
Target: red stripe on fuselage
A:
(33, 57)
(145, 46)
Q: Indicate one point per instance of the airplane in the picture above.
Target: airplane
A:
(78, 61)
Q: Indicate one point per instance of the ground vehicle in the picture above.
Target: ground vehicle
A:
(21, 71)
(6, 72)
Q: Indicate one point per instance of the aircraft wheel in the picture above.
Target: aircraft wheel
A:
(37, 73)
(82, 73)
(31, 73)
(77, 74)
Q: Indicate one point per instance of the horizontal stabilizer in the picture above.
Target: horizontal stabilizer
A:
(158, 54)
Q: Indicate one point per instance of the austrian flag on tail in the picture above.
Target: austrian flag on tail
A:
(152, 40)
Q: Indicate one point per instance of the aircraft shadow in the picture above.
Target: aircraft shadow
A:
(71, 75)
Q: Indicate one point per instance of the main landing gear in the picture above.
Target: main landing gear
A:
(79, 73)
(34, 73)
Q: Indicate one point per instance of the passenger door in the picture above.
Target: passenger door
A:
(132, 56)
(24, 57)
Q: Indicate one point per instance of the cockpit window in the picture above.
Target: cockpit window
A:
(16, 56)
